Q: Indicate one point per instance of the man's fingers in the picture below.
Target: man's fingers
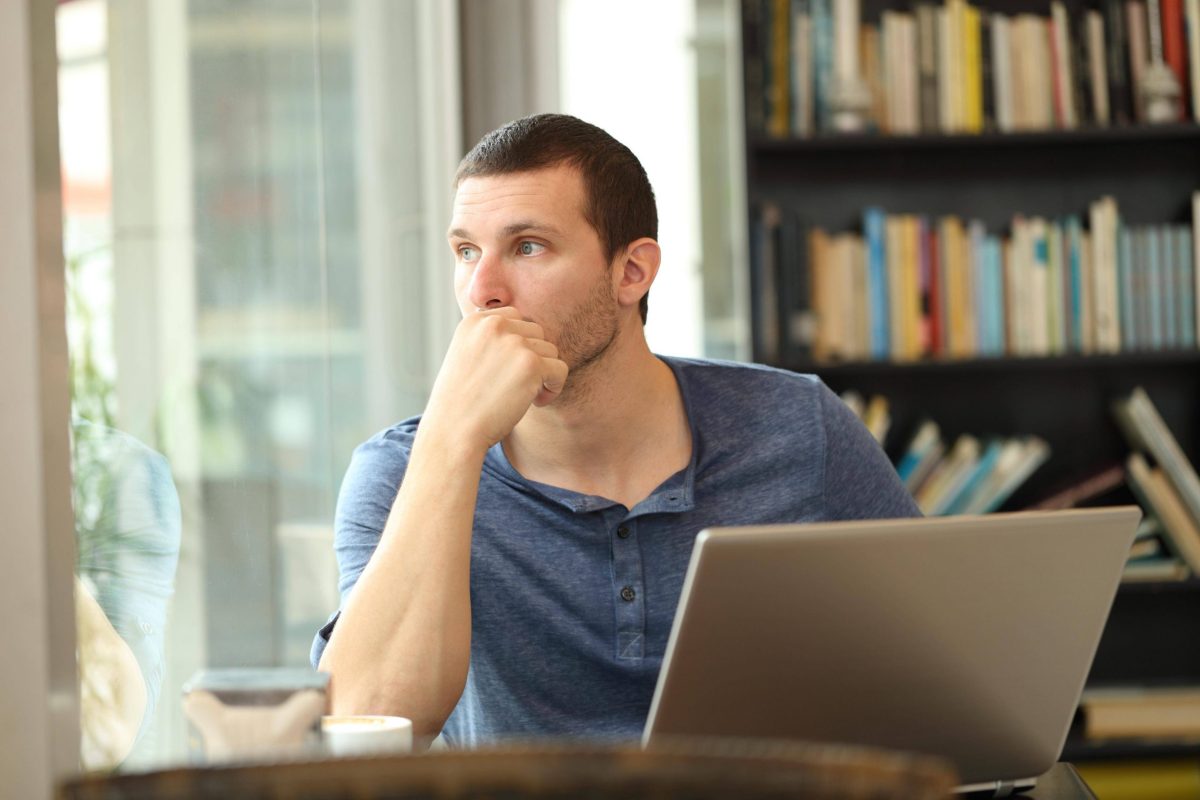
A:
(542, 348)
(514, 323)
(554, 375)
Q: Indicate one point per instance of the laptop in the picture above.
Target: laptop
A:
(965, 637)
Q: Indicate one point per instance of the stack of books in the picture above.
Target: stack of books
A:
(910, 287)
(973, 476)
(960, 68)
(1166, 485)
(1157, 714)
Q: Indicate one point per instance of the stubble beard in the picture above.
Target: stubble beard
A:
(585, 337)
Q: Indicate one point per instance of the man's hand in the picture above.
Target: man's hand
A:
(498, 365)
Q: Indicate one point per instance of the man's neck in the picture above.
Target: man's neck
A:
(619, 432)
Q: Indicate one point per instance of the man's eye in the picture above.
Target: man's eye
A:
(468, 253)
(530, 248)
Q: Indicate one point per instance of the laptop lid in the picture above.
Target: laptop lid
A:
(967, 637)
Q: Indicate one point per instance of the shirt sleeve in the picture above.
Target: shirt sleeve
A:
(368, 490)
(860, 481)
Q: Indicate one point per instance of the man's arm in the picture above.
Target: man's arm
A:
(402, 644)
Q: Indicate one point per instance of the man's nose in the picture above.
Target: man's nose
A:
(489, 285)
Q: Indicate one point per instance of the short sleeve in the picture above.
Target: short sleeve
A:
(860, 481)
(364, 502)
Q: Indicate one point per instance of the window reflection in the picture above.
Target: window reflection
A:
(127, 534)
(226, 297)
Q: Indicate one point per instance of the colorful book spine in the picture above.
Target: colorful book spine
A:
(1125, 270)
(1169, 276)
(1186, 287)
(1154, 285)
(822, 22)
(875, 230)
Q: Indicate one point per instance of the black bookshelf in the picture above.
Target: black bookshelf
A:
(1153, 635)
(1139, 135)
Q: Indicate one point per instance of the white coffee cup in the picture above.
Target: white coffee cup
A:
(362, 735)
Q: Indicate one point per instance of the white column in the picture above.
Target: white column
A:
(154, 317)
(440, 111)
(39, 741)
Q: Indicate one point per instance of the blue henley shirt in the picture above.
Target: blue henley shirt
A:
(573, 595)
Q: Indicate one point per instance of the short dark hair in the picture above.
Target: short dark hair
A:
(619, 201)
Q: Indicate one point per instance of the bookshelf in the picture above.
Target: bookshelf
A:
(826, 180)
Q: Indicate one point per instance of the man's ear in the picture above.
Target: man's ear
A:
(636, 269)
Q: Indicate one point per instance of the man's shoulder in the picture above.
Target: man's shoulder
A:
(393, 441)
(722, 381)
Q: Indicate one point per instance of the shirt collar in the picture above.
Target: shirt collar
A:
(674, 495)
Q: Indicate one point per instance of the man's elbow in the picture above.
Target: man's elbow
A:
(366, 694)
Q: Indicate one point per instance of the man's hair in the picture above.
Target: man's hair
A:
(619, 203)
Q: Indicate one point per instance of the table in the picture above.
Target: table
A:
(1062, 782)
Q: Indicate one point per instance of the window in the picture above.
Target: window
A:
(254, 199)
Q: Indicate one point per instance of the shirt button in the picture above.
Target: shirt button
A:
(627, 594)
(623, 531)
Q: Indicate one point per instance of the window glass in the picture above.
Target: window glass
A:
(230, 308)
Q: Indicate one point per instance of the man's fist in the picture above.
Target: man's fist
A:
(498, 365)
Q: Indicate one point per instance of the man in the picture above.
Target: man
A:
(523, 579)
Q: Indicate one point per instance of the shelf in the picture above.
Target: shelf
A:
(1191, 585)
(1115, 361)
(1078, 750)
(825, 143)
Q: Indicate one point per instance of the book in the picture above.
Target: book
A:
(1168, 274)
(1155, 571)
(873, 73)
(822, 49)
(1060, 38)
(753, 74)
(874, 229)
(1196, 256)
(1120, 80)
(972, 73)
(1097, 67)
(1148, 433)
(1141, 713)
(877, 418)
(949, 475)
(976, 478)
(1138, 49)
(1159, 498)
(1148, 548)
(1185, 290)
(1174, 48)
(855, 402)
(1002, 72)
(795, 300)
(1107, 309)
(919, 447)
(1126, 288)
(1018, 460)
(1192, 18)
(767, 295)
(1154, 287)
(779, 67)
(1094, 485)
(801, 69)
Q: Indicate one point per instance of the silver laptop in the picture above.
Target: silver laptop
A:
(967, 637)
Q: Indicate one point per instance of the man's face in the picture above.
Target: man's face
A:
(521, 240)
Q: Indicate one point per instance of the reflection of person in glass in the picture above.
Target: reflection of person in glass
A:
(523, 580)
(127, 533)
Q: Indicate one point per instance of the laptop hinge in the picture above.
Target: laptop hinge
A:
(996, 788)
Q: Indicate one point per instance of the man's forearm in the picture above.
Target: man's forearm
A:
(403, 643)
